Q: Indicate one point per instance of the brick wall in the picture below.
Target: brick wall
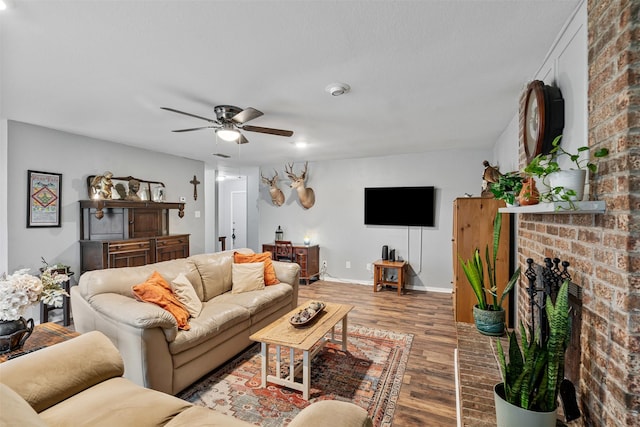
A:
(604, 249)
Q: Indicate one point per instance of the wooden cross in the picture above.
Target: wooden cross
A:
(195, 183)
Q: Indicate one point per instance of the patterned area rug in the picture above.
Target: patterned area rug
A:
(369, 374)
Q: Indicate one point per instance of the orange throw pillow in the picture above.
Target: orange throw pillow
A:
(157, 291)
(269, 272)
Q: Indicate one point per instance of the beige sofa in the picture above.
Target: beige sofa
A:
(79, 383)
(156, 353)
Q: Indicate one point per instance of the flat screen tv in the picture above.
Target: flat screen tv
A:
(399, 206)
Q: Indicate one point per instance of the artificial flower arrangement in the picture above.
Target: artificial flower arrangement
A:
(21, 289)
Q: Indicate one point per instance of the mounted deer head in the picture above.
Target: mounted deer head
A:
(306, 195)
(277, 196)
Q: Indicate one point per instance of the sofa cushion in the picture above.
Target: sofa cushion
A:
(247, 277)
(213, 320)
(215, 272)
(157, 291)
(115, 402)
(186, 294)
(260, 304)
(16, 411)
(201, 416)
(270, 277)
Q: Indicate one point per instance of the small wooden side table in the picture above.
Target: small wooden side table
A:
(66, 305)
(378, 274)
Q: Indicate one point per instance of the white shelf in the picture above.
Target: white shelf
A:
(558, 208)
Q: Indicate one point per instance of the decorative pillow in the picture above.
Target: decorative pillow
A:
(247, 277)
(16, 411)
(157, 291)
(265, 257)
(186, 294)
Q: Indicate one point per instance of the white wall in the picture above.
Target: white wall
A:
(36, 148)
(336, 221)
(565, 66)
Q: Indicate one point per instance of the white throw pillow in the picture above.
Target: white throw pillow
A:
(186, 294)
(247, 277)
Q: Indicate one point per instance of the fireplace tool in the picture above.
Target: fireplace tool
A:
(553, 273)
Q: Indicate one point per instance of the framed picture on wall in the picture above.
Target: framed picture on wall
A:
(43, 199)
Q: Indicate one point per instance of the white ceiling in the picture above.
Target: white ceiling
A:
(425, 75)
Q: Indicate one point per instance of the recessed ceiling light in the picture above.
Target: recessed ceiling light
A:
(301, 144)
(337, 89)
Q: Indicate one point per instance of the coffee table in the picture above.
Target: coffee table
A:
(310, 339)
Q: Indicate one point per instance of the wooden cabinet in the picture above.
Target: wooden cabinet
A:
(473, 228)
(118, 233)
(307, 256)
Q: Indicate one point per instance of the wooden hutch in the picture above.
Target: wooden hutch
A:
(123, 233)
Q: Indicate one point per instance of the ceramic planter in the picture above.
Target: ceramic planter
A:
(489, 322)
(508, 415)
(569, 179)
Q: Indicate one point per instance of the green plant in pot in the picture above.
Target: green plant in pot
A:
(507, 187)
(563, 184)
(489, 316)
(534, 370)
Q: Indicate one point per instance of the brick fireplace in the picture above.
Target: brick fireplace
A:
(603, 249)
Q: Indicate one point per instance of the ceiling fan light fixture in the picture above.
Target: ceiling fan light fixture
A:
(228, 133)
(337, 89)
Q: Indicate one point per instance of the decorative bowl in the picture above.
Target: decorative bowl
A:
(307, 314)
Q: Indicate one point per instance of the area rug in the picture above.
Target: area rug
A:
(368, 374)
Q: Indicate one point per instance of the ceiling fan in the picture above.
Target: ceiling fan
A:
(229, 121)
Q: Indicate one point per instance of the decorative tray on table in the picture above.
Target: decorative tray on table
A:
(307, 314)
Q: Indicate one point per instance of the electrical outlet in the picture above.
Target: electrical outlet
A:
(348, 264)
(183, 199)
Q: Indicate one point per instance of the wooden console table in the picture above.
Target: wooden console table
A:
(378, 274)
(309, 259)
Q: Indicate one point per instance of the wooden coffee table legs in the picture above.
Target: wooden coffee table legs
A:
(307, 355)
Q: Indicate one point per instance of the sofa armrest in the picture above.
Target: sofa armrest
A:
(121, 309)
(48, 376)
(288, 272)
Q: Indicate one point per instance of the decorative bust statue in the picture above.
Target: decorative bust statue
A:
(134, 186)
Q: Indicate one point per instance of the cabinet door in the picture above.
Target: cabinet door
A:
(473, 228)
(130, 253)
(172, 247)
(146, 223)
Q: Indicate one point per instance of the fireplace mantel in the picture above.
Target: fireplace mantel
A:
(595, 207)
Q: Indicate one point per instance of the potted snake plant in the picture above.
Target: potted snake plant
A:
(489, 316)
(533, 373)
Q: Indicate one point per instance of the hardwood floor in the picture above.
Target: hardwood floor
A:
(427, 397)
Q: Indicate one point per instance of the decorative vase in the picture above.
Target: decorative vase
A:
(529, 194)
(489, 322)
(14, 333)
(568, 180)
(508, 415)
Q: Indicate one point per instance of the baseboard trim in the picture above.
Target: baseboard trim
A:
(369, 283)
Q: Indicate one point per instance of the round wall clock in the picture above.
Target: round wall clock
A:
(543, 118)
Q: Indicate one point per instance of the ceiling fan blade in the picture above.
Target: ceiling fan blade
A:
(246, 115)
(189, 130)
(189, 114)
(271, 131)
(242, 140)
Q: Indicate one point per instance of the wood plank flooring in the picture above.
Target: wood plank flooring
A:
(427, 397)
